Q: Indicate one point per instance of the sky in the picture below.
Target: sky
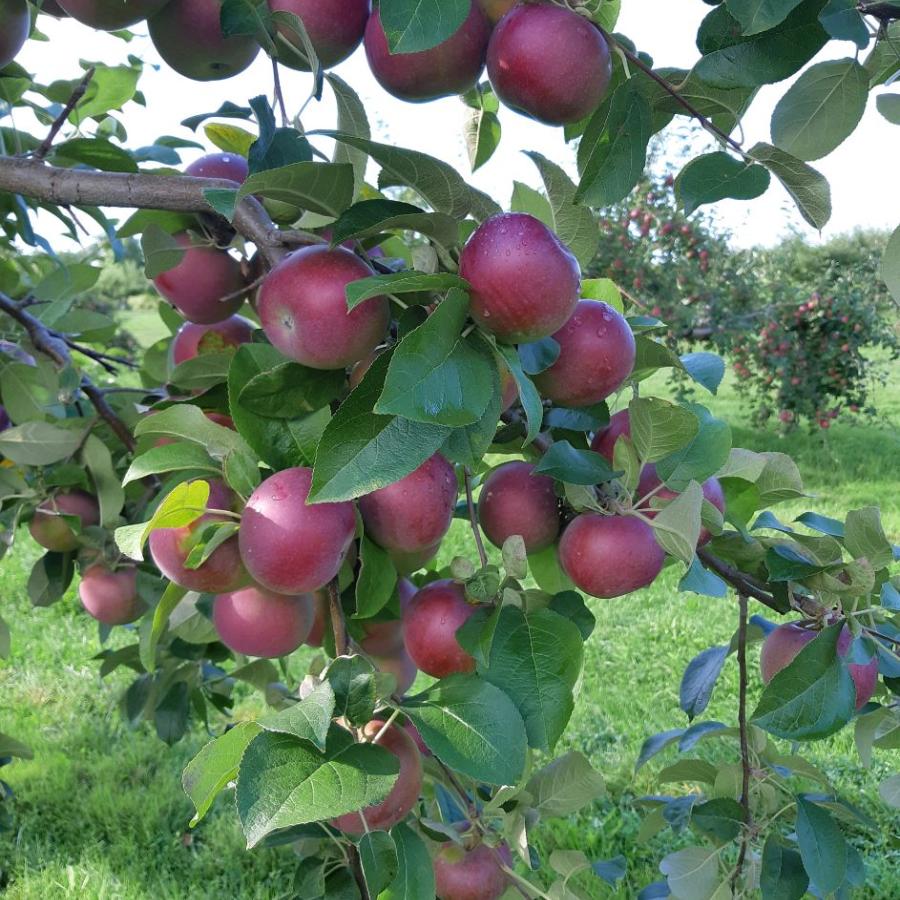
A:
(666, 29)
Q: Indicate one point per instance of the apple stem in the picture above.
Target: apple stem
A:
(473, 519)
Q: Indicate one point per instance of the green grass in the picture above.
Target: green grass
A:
(99, 811)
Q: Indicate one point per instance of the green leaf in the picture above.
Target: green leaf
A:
(720, 818)
(536, 661)
(29, 392)
(378, 856)
(361, 450)
(821, 109)
(161, 251)
(889, 791)
(844, 22)
(566, 463)
(472, 726)
(437, 377)
(808, 187)
(50, 578)
(811, 698)
(692, 873)
(110, 88)
(612, 154)
(283, 781)
(376, 580)
(823, 848)
(39, 444)
(864, 537)
(760, 15)
(676, 527)
(702, 456)
(564, 786)
(351, 119)
(208, 773)
(659, 428)
(203, 371)
(290, 390)
(97, 153)
(779, 479)
(415, 875)
(604, 289)
(573, 223)
(528, 393)
(325, 188)
(707, 369)
(889, 107)
(527, 200)
(9, 746)
(371, 217)
(782, 876)
(883, 62)
(415, 25)
(718, 176)
(98, 461)
(175, 457)
(308, 720)
(700, 678)
(468, 445)
(481, 127)
(172, 596)
(242, 473)
(890, 263)
(402, 283)
(352, 678)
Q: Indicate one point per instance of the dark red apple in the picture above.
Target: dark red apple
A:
(514, 500)
(549, 63)
(302, 305)
(452, 67)
(257, 622)
(461, 874)
(52, 8)
(403, 795)
(111, 15)
(110, 596)
(786, 641)
(525, 282)
(50, 529)
(604, 441)
(15, 26)
(407, 563)
(610, 556)
(289, 546)
(650, 481)
(414, 513)
(230, 166)
(204, 286)
(382, 637)
(596, 356)
(335, 29)
(194, 340)
(430, 624)
(400, 665)
(188, 36)
(222, 572)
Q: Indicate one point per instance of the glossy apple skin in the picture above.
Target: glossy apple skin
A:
(604, 441)
(649, 481)
(188, 36)
(430, 624)
(52, 531)
(196, 286)
(257, 622)
(452, 67)
(525, 282)
(15, 26)
(403, 795)
(193, 340)
(401, 666)
(461, 874)
(230, 166)
(596, 356)
(335, 29)
(514, 500)
(303, 309)
(382, 637)
(407, 563)
(549, 63)
(610, 556)
(414, 513)
(786, 641)
(495, 10)
(111, 15)
(288, 546)
(222, 572)
(110, 597)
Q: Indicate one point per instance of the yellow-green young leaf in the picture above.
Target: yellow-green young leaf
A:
(180, 456)
(604, 289)
(229, 138)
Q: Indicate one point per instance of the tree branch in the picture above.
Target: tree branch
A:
(473, 519)
(174, 193)
(59, 121)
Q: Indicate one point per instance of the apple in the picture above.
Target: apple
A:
(15, 26)
(382, 637)
(430, 624)
(468, 874)
(610, 556)
(257, 622)
(193, 339)
(407, 563)
(111, 15)
(229, 166)
(604, 441)
(303, 309)
(650, 481)
(52, 531)
(596, 356)
(110, 596)
(334, 27)
(400, 665)
(525, 282)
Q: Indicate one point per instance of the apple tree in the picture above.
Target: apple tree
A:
(345, 372)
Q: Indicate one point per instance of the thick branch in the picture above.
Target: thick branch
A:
(175, 193)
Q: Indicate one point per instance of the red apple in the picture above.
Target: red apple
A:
(430, 624)
(230, 166)
(15, 26)
(194, 340)
(50, 529)
(407, 563)
(604, 441)
(650, 481)
(335, 29)
(495, 10)
(110, 596)
(257, 622)
(525, 282)
(461, 874)
(111, 15)
(400, 665)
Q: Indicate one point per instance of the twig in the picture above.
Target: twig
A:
(105, 411)
(107, 360)
(47, 144)
(279, 96)
(338, 625)
(473, 519)
(745, 744)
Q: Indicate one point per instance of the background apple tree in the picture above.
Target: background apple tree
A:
(347, 371)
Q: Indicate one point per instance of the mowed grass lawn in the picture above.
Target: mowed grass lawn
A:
(99, 811)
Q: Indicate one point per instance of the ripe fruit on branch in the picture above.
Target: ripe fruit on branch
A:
(596, 356)
(609, 556)
(514, 500)
(461, 874)
(786, 641)
(335, 29)
(650, 481)
(430, 624)
(258, 622)
(188, 36)
(407, 563)
(604, 441)
(403, 795)
(288, 546)
(414, 513)
(222, 571)
(382, 637)
(219, 165)
(111, 15)
(110, 597)
(303, 309)
(525, 282)
(15, 25)
(52, 531)
(400, 665)
(194, 340)
(549, 63)
(495, 10)
(451, 67)
(197, 286)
